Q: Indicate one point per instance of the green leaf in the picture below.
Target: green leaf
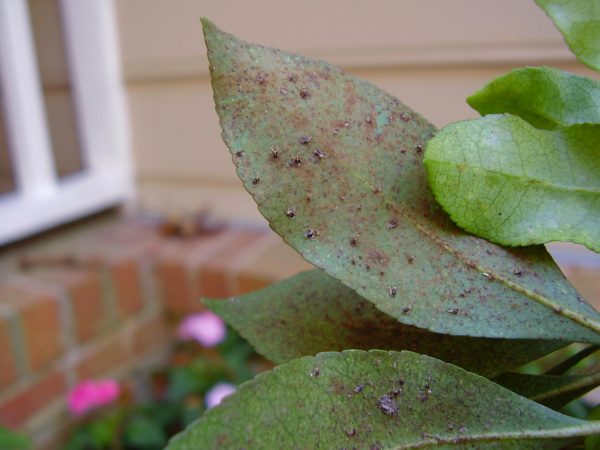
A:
(144, 433)
(593, 442)
(10, 440)
(335, 165)
(313, 312)
(554, 391)
(543, 96)
(579, 22)
(502, 179)
(378, 399)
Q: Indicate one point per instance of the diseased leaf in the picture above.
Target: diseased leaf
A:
(378, 399)
(543, 96)
(313, 312)
(502, 179)
(335, 165)
(579, 22)
(554, 391)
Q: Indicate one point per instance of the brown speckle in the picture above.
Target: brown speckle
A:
(392, 291)
(292, 78)
(256, 180)
(291, 213)
(359, 388)
(406, 309)
(283, 91)
(304, 94)
(354, 240)
(315, 372)
(410, 259)
(261, 78)
(387, 405)
(376, 190)
(471, 265)
(558, 309)
(453, 311)
(239, 153)
(351, 432)
(347, 124)
(404, 117)
(308, 197)
(419, 148)
(519, 273)
(369, 120)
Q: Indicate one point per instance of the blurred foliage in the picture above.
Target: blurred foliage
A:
(174, 398)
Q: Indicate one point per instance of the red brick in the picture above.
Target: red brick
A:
(150, 335)
(128, 288)
(85, 293)
(8, 367)
(40, 320)
(103, 359)
(216, 275)
(176, 287)
(16, 411)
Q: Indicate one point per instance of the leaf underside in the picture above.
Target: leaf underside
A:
(335, 165)
(543, 96)
(502, 179)
(579, 22)
(312, 312)
(380, 400)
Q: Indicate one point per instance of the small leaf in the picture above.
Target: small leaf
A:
(335, 165)
(579, 22)
(566, 365)
(543, 96)
(313, 312)
(378, 399)
(502, 179)
(554, 391)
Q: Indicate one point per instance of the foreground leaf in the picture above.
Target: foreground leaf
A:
(335, 165)
(502, 179)
(313, 312)
(378, 400)
(543, 96)
(554, 391)
(579, 22)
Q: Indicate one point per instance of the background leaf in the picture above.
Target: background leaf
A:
(502, 179)
(554, 391)
(335, 165)
(378, 400)
(579, 22)
(313, 312)
(543, 96)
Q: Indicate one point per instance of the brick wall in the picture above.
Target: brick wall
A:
(101, 302)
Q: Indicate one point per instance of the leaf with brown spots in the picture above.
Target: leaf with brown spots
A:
(313, 312)
(372, 184)
(378, 399)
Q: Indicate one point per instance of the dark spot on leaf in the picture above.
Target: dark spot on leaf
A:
(519, 273)
(311, 234)
(419, 148)
(392, 291)
(291, 213)
(283, 91)
(354, 240)
(558, 309)
(351, 432)
(406, 309)
(404, 117)
(359, 388)
(256, 180)
(296, 161)
(471, 265)
(261, 78)
(304, 140)
(453, 311)
(274, 152)
(292, 78)
(239, 153)
(377, 190)
(369, 120)
(309, 197)
(387, 405)
(315, 372)
(319, 154)
(304, 94)
(410, 259)
(392, 224)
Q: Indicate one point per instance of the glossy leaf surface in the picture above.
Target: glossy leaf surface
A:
(335, 165)
(579, 22)
(380, 400)
(502, 179)
(543, 96)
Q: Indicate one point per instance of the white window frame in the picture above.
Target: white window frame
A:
(40, 199)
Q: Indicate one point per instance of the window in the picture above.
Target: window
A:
(64, 149)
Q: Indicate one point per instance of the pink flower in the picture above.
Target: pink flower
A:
(206, 328)
(88, 395)
(218, 392)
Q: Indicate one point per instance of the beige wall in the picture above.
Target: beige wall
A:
(429, 53)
